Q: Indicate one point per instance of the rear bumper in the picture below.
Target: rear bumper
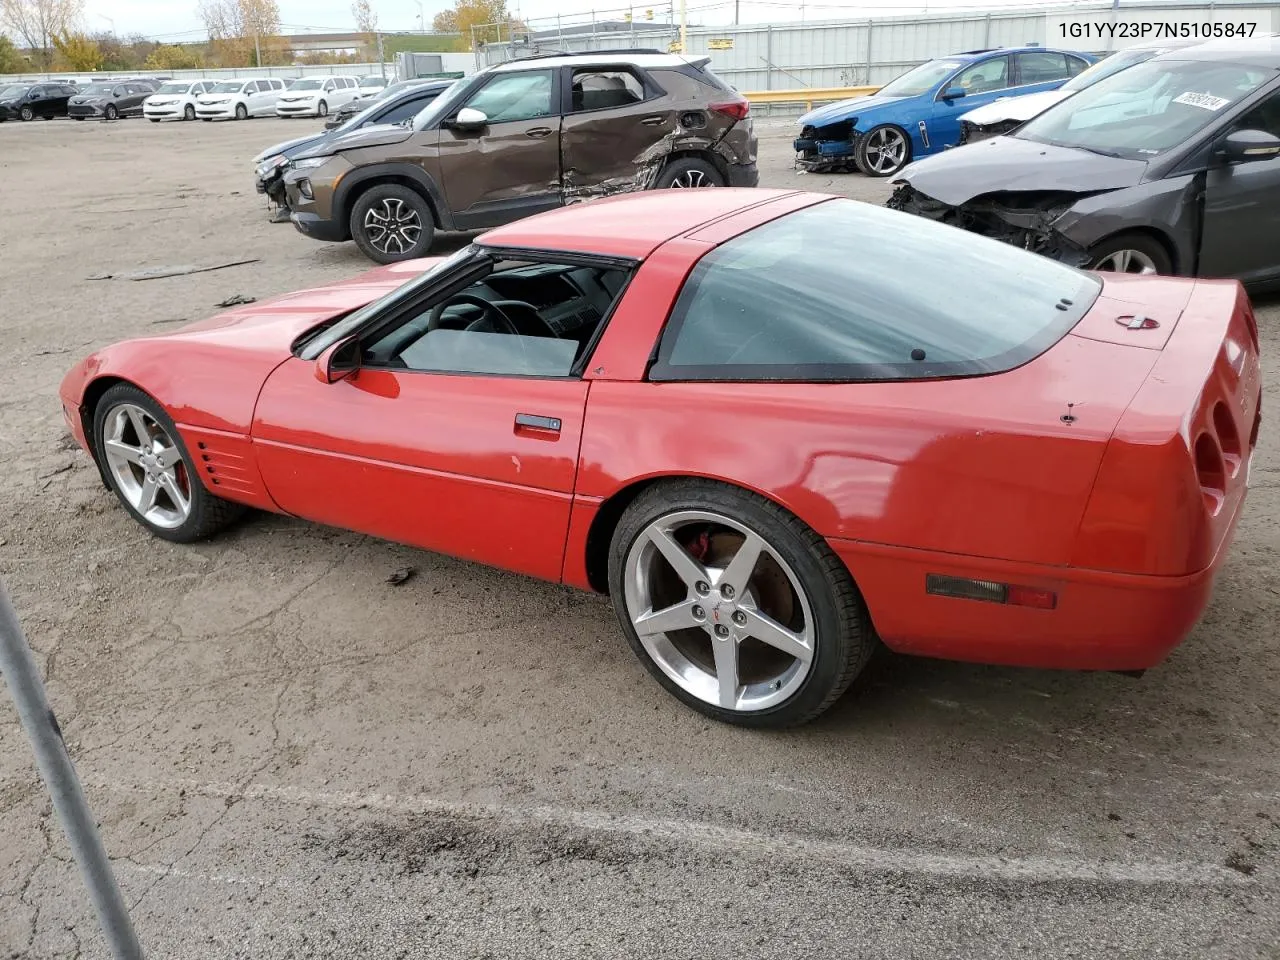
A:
(1102, 621)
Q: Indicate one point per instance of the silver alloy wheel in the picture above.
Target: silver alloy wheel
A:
(27, 114)
(691, 179)
(886, 150)
(146, 465)
(732, 625)
(1126, 261)
(392, 223)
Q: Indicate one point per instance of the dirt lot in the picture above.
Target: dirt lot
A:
(292, 758)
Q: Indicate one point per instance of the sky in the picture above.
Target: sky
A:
(177, 20)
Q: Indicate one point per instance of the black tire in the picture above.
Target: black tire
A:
(242, 112)
(111, 113)
(188, 112)
(207, 119)
(47, 116)
(1142, 245)
(77, 118)
(688, 172)
(390, 193)
(864, 162)
(27, 114)
(322, 109)
(154, 119)
(209, 514)
(844, 636)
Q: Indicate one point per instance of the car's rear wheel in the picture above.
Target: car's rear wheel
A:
(26, 113)
(151, 471)
(111, 113)
(883, 151)
(322, 109)
(689, 173)
(390, 223)
(736, 607)
(188, 112)
(1133, 253)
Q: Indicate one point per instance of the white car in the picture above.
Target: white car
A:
(372, 86)
(1001, 116)
(175, 100)
(316, 96)
(240, 99)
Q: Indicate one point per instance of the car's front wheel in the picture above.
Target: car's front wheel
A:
(883, 151)
(736, 607)
(390, 223)
(322, 109)
(687, 174)
(242, 112)
(26, 113)
(151, 471)
(1133, 253)
(111, 113)
(188, 112)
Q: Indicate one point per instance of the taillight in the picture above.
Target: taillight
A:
(737, 109)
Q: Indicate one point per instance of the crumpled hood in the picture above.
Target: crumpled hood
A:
(290, 147)
(854, 107)
(1005, 164)
(375, 136)
(1015, 108)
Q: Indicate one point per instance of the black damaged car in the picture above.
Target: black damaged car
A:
(1169, 167)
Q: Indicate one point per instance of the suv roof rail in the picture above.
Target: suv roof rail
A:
(588, 53)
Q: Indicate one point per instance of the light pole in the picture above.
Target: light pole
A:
(422, 22)
(110, 21)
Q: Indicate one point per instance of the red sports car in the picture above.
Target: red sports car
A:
(775, 427)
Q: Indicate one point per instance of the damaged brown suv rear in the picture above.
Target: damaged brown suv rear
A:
(520, 138)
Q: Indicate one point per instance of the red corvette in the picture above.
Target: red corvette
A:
(775, 427)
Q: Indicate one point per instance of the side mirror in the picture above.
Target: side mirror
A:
(339, 361)
(953, 93)
(470, 119)
(1243, 146)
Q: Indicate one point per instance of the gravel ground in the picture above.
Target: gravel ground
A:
(292, 758)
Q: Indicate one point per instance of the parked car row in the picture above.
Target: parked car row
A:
(167, 99)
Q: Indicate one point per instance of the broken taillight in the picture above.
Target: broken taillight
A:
(737, 109)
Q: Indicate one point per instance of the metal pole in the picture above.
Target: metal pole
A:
(684, 28)
(19, 669)
(257, 49)
(382, 57)
(768, 50)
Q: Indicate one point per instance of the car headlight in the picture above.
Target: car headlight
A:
(306, 163)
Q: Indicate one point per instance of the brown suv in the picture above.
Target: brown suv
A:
(520, 138)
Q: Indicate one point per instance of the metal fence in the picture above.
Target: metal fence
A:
(842, 53)
(452, 62)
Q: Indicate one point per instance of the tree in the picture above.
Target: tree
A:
(10, 60)
(82, 55)
(174, 57)
(491, 19)
(36, 22)
(239, 29)
(366, 19)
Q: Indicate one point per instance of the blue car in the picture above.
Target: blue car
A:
(918, 114)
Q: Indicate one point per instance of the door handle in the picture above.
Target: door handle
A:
(538, 133)
(533, 424)
(652, 121)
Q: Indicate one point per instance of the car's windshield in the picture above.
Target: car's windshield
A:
(1150, 108)
(97, 89)
(1105, 68)
(806, 297)
(228, 86)
(437, 108)
(175, 87)
(12, 91)
(369, 82)
(920, 80)
(310, 84)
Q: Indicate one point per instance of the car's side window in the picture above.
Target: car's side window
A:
(1265, 116)
(118, 92)
(509, 97)
(1076, 65)
(523, 319)
(603, 89)
(1042, 67)
(405, 111)
(984, 77)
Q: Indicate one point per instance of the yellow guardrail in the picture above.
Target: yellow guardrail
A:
(809, 95)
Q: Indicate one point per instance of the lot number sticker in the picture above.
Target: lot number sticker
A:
(1203, 100)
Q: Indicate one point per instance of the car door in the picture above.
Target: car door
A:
(508, 167)
(55, 100)
(436, 440)
(611, 117)
(1241, 233)
(257, 98)
(131, 102)
(982, 83)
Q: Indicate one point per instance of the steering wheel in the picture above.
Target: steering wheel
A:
(489, 309)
